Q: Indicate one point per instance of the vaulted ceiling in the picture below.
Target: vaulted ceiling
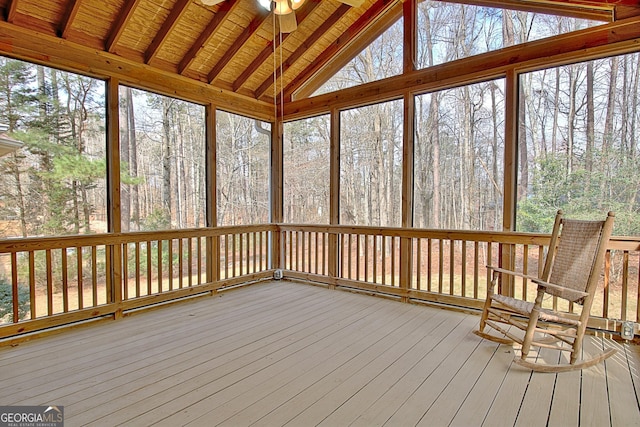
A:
(230, 46)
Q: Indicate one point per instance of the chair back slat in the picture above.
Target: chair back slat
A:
(575, 257)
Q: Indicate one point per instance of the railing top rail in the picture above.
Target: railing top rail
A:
(628, 243)
(45, 243)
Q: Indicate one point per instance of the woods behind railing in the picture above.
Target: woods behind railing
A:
(48, 282)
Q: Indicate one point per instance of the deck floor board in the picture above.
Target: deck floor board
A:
(282, 353)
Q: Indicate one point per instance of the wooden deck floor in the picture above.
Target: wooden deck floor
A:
(290, 354)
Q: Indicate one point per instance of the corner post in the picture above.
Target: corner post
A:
(212, 241)
(334, 195)
(277, 179)
(115, 281)
(409, 10)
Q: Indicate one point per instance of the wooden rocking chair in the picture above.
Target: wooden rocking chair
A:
(571, 272)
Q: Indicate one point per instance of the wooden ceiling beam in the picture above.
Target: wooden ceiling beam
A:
(118, 27)
(67, 19)
(410, 42)
(206, 35)
(177, 11)
(623, 12)
(365, 21)
(301, 15)
(322, 29)
(237, 45)
(597, 10)
(10, 11)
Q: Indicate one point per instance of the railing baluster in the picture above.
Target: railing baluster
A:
(440, 265)
(393, 261)
(489, 262)
(452, 265)
(137, 263)
(125, 274)
(525, 269)
(241, 254)
(375, 259)
(32, 284)
(463, 256)
(350, 236)
(303, 251)
(180, 264)
(200, 254)
(149, 265)
(358, 273)
(366, 257)
(94, 274)
(79, 281)
(476, 270)
(625, 285)
(159, 266)
(607, 282)
(429, 260)
(14, 288)
(638, 292)
(170, 263)
(49, 282)
(383, 248)
(418, 263)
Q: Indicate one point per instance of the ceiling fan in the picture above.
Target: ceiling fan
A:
(285, 9)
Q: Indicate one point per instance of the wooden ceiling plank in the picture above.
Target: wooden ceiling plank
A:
(30, 45)
(206, 35)
(237, 45)
(322, 29)
(301, 15)
(67, 20)
(573, 9)
(177, 11)
(37, 24)
(623, 12)
(10, 11)
(120, 24)
(364, 21)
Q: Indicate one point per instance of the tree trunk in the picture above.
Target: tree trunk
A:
(125, 194)
(166, 156)
(590, 123)
(133, 158)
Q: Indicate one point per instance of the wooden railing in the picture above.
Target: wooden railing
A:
(60, 281)
(449, 267)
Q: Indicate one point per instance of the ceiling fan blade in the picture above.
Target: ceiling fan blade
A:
(211, 2)
(288, 23)
(352, 3)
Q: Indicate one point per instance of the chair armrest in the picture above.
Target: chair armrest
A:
(547, 285)
(537, 281)
(511, 272)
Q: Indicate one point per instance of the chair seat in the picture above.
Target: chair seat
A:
(525, 308)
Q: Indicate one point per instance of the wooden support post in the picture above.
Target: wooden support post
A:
(507, 251)
(334, 193)
(276, 190)
(410, 46)
(213, 242)
(115, 281)
(406, 243)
